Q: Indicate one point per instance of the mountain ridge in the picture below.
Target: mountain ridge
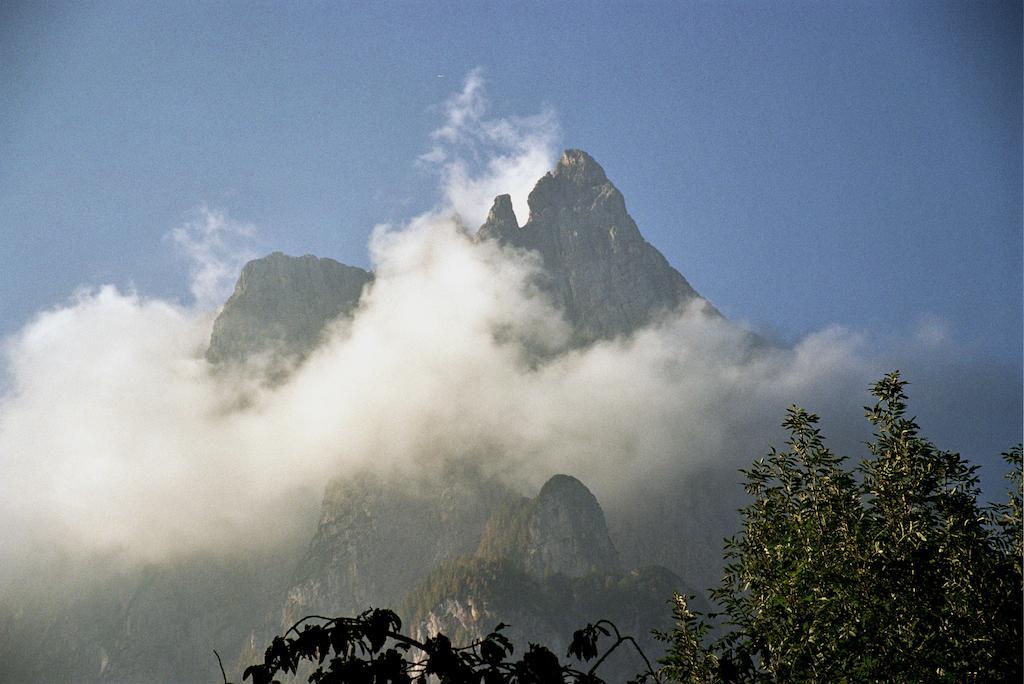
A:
(599, 271)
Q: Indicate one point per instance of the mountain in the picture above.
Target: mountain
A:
(281, 305)
(546, 566)
(477, 552)
(457, 549)
(561, 531)
(598, 268)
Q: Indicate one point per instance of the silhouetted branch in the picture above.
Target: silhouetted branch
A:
(223, 675)
(362, 654)
(619, 640)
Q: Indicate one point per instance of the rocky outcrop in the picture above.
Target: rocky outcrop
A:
(561, 531)
(281, 306)
(567, 532)
(546, 566)
(376, 538)
(607, 279)
(472, 599)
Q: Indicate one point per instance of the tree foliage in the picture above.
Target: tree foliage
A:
(370, 649)
(889, 571)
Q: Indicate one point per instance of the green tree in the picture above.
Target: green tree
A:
(887, 572)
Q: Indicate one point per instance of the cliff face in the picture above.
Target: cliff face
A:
(479, 594)
(375, 538)
(608, 280)
(568, 534)
(561, 531)
(281, 305)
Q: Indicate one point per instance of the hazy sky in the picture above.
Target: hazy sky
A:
(802, 164)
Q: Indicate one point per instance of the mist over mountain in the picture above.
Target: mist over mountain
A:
(547, 411)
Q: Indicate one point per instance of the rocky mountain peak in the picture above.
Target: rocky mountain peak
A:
(578, 186)
(599, 270)
(560, 531)
(281, 305)
(569, 491)
(501, 222)
(580, 168)
(568, 532)
(501, 212)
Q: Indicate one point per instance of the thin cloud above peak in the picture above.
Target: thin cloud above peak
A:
(478, 156)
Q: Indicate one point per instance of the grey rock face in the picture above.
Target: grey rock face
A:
(560, 531)
(548, 611)
(281, 305)
(501, 220)
(608, 280)
(376, 539)
(567, 532)
(600, 270)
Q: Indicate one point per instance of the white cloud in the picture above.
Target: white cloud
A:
(118, 439)
(479, 157)
(216, 247)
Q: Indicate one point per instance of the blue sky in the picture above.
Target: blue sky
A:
(802, 164)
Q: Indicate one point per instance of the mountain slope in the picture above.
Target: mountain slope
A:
(376, 538)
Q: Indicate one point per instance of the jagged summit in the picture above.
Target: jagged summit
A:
(607, 279)
(578, 188)
(501, 220)
(598, 269)
(580, 168)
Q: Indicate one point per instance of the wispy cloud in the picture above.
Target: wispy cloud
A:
(216, 246)
(479, 157)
